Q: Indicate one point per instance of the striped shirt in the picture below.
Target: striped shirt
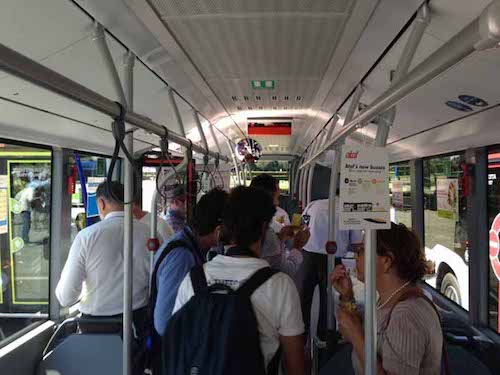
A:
(413, 341)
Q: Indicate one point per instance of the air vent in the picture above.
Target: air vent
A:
(298, 98)
(246, 98)
(258, 98)
(274, 97)
(286, 98)
(235, 98)
(157, 57)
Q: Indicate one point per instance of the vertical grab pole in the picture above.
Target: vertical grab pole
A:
(129, 226)
(235, 163)
(388, 117)
(370, 303)
(203, 138)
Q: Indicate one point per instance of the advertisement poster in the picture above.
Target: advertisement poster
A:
(397, 194)
(4, 204)
(364, 188)
(447, 198)
(92, 184)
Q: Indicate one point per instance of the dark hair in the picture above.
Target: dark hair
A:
(265, 182)
(113, 193)
(248, 211)
(176, 191)
(208, 212)
(407, 253)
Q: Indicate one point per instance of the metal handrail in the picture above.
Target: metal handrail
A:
(23, 67)
(480, 34)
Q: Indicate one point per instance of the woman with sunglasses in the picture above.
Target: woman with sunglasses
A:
(409, 335)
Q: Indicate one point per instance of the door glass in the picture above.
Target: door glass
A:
(25, 201)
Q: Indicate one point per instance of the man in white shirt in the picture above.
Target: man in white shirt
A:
(276, 302)
(95, 261)
(315, 267)
(26, 196)
(273, 249)
(164, 230)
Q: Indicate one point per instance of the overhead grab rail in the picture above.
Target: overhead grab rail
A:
(23, 67)
(480, 34)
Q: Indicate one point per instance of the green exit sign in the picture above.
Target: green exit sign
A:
(263, 84)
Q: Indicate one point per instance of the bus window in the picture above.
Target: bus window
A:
(493, 212)
(446, 241)
(400, 191)
(25, 193)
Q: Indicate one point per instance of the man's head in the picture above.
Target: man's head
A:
(247, 215)
(207, 217)
(109, 198)
(269, 184)
(177, 196)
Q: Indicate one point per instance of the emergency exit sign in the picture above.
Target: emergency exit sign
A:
(263, 84)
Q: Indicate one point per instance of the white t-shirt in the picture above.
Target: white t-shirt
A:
(26, 197)
(276, 302)
(165, 231)
(316, 217)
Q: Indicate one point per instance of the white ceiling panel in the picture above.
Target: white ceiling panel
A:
(175, 8)
(258, 48)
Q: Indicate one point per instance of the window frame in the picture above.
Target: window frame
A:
(46, 316)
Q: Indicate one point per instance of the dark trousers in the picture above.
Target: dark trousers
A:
(315, 272)
(26, 216)
(140, 321)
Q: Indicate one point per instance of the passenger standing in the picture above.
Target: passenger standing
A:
(26, 198)
(96, 260)
(276, 302)
(176, 212)
(315, 267)
(409, 337)
(164, 230)
(195, 241)
(273, 250)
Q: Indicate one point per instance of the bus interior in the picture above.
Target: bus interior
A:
(214, 93)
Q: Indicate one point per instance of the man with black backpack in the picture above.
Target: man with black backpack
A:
(235, 315)
(183, 251)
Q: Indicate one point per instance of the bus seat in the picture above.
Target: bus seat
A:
(96, 354)
(463, 362)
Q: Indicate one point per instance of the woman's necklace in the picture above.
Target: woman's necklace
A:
(393, 294)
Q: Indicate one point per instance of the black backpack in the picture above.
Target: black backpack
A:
(216, 333)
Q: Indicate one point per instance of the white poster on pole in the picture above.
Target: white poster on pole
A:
(364, 188)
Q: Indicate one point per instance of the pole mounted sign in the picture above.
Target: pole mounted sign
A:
(364, 188)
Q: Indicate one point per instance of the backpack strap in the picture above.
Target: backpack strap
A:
(255, 281)
(199, 280)
(154, 287)
(417, 293)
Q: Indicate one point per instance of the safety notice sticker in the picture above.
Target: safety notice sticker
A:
(364, 188)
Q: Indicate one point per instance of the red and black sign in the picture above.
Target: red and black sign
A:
(270, 128)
